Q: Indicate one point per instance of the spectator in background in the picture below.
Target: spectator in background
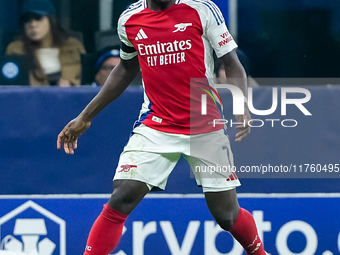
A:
(107, 59)
(54, 58)
(220, 72)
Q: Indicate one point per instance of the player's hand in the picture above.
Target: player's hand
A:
(69, 135)
(244, 129)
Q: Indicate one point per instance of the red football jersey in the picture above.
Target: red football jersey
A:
(175, 46)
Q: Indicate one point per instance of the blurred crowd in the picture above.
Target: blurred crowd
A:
(53, 57)
(56, 57)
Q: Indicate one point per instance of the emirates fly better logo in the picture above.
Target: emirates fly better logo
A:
(239, 101)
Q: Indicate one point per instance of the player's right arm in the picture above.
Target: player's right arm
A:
(118, 80)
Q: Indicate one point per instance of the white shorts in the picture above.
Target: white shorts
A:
(151, 155)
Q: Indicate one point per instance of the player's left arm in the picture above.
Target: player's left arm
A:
(224, 45)
(237, 76)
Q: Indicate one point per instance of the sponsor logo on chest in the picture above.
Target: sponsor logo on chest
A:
(164, 52)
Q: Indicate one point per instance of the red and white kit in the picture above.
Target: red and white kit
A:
(173, 46)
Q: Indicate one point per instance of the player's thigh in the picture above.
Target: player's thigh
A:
(213, 147)
(147, 167)
(223, 206)
(127, 194)
(212, 162)
(137, 173)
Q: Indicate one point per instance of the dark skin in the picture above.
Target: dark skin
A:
(128, 193)
(237, 76)
(158, 5)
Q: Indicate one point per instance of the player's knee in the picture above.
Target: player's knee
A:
(122, 202)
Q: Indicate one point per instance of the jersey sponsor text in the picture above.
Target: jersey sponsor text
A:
(226, 39)
(174, 49)
(160, 48)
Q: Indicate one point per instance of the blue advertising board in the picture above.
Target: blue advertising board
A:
(32, 118)
(289, 224)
